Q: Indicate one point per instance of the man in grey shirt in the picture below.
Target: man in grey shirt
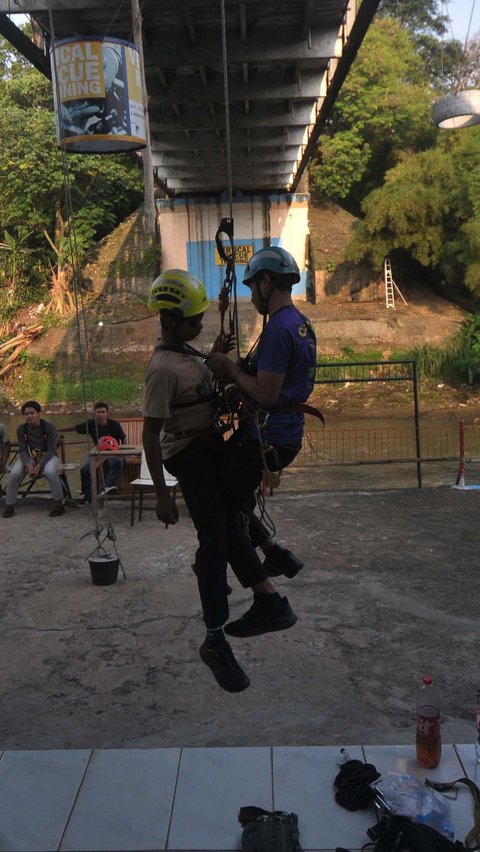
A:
(37, 456)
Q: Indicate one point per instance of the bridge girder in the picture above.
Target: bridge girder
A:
(286, 62)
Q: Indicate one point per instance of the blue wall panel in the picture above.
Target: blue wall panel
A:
(201, 261)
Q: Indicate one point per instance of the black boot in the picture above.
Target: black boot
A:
(267, 614)
(279, 560)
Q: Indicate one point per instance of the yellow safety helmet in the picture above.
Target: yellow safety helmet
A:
(177, 288)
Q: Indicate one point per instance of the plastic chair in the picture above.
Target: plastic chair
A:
(144, 485)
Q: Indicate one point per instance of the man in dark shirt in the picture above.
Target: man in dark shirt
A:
(98, 427)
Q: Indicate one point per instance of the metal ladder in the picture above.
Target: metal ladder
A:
(389, 292)
(390, 285)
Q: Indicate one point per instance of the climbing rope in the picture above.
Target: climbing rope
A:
(231, 402)
(102, 531)
(227, 300)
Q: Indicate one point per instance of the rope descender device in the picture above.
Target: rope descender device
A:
(271, 478)
(229, 287)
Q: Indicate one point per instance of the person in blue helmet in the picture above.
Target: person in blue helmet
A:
(276, 379)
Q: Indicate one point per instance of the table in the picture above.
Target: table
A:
(96, 464)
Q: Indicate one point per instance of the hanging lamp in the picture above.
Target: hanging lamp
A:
(454, 111)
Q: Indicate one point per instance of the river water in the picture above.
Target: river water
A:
(349, 454)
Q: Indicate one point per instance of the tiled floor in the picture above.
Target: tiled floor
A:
(188, 799)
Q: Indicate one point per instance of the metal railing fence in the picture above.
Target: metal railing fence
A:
(393, 370)
(378, 445)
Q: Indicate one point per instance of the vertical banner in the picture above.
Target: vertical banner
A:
(98, 95)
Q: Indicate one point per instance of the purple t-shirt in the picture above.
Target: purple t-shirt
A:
(287, 345)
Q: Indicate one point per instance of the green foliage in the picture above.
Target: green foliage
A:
(139, 262)
(436, 362)
(51, 382)
(349, 353)
(458, 360)
(383, 112)
(416, 15)
(417, 188)
(429, 207)
(345, 158)
(424, 20)
(469, 347)
(34, 176)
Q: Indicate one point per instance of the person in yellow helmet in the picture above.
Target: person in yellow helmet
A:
(178, 433)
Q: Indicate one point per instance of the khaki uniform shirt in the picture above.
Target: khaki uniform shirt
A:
(174, 378)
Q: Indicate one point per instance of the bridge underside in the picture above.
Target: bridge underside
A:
(286, 62)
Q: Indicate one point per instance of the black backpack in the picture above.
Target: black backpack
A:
(401, 834)
(269, 831)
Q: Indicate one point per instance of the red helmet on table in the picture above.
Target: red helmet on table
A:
(107, 442)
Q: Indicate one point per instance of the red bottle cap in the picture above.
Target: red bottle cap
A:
(428, 679)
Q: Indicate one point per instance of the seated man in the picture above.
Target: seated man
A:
(5, 447)
(37, 455)
(97, 427)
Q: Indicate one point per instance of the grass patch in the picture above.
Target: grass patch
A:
(53, 382)
(349, 354)
(447, 363)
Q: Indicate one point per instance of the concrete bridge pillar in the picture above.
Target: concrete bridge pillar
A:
(188, 227)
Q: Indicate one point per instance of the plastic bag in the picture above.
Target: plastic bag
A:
(405, 795)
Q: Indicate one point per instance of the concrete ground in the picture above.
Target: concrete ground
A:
(389, 592)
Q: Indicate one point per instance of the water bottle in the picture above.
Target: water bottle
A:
(428, 740)
(477, 738)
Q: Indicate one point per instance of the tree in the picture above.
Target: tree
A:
(444, 58)
(57, 205)
(384, 111)
(14, 266)
(468, 75)
(429, 207)
(418, 16)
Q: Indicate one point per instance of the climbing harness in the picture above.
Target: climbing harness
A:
(36, 454)
(271, 478)
(225, 401)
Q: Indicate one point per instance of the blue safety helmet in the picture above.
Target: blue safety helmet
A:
(273, 259)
